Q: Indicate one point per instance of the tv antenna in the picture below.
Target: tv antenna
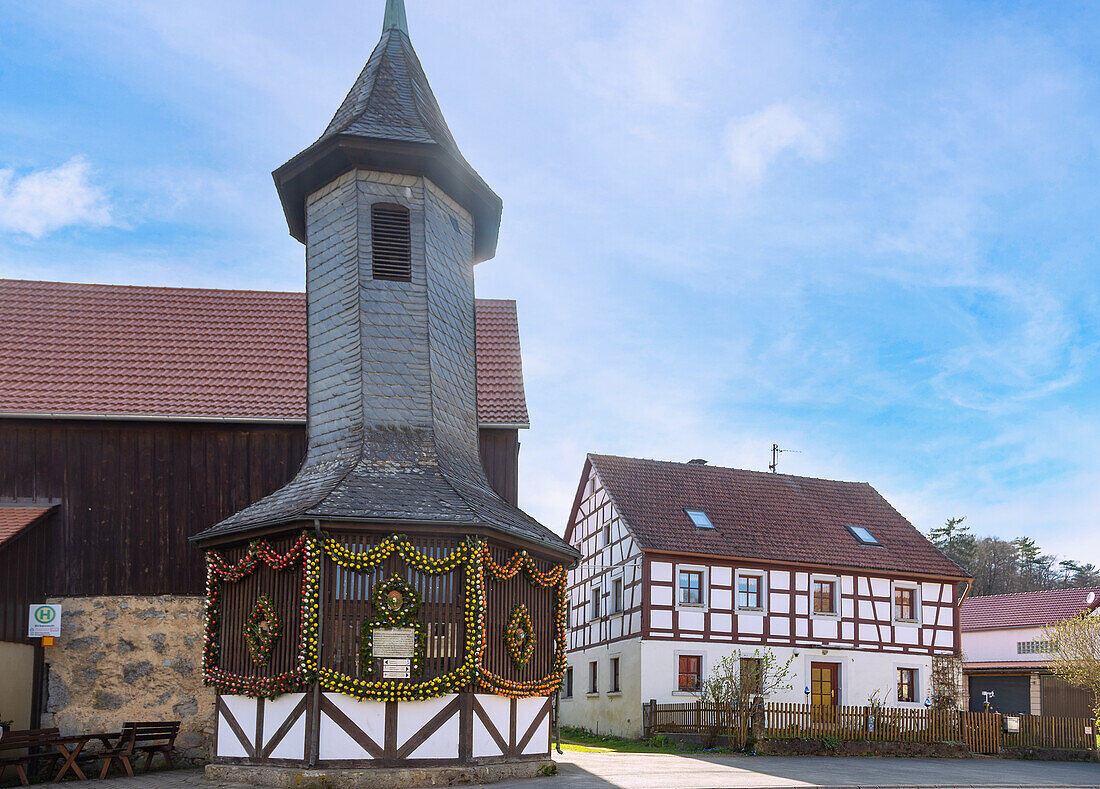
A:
(776, 451)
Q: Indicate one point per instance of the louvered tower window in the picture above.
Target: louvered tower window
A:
(391, 249)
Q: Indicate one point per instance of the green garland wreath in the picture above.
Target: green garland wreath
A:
(397, 604)
(519, 636)
(260, 640)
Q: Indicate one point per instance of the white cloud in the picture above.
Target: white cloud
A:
(755, 141)
(48, 200)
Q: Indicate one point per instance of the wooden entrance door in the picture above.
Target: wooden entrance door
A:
(824, 684)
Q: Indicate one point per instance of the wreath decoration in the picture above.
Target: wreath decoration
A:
(262, 629)
(519, 636)
(397, 604)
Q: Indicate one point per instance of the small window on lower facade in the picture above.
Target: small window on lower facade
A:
(690, 673)
(593, 677)
(907, 684)
(595, 611)
(614, 676)
(567, 684)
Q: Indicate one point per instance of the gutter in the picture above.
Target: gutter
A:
(262, 420)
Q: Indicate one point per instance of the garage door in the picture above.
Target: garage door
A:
(1011, 695)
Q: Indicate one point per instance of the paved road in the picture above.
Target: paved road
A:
(659, 771)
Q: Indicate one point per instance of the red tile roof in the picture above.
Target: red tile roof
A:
(13, 519)
(68, 348)
(1025, 609)
(758, 515)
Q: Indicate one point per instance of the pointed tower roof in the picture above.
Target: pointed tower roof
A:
(390, 121)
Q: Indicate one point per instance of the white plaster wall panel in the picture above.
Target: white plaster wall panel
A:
(945, 638)
(692, 620)
(243, 710)
(882, 611)
(660, 571)
(905, 635)
(660, 620)
(721, 599)
(947, 618)
(928, 614)
(847, 608)
(750, 623)
(635, 622)
(616, 626)
(801, 628)
(370, 716)
(884, 634)
(540, 740)
(276, 711)
(411, 717)
(863, 587)
(825, 628)
(801, 605)
(779, 602)
(866, 610)
(526, 710)
(779, 626)
(847, 630)
(868, 632)
(721, 623)
(660, 595)
(499, 711)
(801, 582)
(880, 587)
(779, 579)
(846, 584)
(861, 672)
(720, 575)
(930, 593)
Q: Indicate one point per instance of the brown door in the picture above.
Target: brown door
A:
(824, 684)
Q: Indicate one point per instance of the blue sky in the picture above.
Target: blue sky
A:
(866, 232)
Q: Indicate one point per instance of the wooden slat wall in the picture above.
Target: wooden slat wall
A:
(501, 596)
(500, 457)
(22, 576)
(133, 492)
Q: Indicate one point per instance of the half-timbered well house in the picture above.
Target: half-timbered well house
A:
(685, 563)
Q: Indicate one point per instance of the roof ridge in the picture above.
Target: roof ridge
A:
(730, 468)
(178, 288)
(1032, 591)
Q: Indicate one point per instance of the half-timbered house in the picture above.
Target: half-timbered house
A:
(685, 563)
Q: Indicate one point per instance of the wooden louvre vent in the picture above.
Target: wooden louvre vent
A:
(391, 249)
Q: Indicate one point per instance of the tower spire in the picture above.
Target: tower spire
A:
(395, 17)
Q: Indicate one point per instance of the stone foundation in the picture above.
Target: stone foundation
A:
(378, 777)
(131, 659)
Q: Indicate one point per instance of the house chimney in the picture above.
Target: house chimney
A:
(697, 462)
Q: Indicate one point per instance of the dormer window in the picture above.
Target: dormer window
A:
(863, 535)
(700, 519)
(391, 248)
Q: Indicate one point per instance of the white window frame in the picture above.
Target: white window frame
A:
(916, 620)
(919, 678)
(704, 587)
(699, 653)
(593, 678)
(610, 675)
(570, 673)
(835, 580)
(595, 603)
(763, 576)
(621, 602)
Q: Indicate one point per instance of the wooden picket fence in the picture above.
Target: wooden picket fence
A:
(981, 732)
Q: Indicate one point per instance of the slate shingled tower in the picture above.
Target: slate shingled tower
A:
(426, 619)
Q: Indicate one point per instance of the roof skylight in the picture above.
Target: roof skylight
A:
(863, 535)
(699, 518)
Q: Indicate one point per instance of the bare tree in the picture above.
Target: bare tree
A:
(737, 679)
(1075, 653)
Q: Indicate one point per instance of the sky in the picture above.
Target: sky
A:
(866, 232)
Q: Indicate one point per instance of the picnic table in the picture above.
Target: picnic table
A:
(70, 749)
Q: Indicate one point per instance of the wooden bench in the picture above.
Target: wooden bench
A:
(32, 745)
(149, 738)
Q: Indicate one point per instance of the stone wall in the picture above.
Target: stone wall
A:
(131, 659)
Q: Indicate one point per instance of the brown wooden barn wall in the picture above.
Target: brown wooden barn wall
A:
(131, 493)
(22, 579)
(500, 457)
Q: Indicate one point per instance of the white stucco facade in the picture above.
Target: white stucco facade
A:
(648, 670)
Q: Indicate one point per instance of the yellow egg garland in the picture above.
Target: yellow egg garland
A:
(475, 559)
